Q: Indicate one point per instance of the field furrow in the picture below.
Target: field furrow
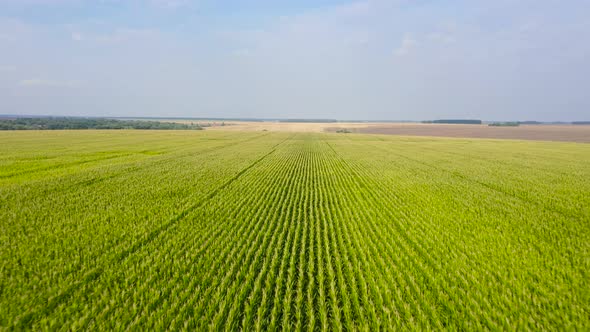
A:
(216, 230)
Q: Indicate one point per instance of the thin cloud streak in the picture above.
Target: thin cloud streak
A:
(7, 68)
(352, 60)
(37, 82)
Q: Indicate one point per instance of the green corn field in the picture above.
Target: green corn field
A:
(251, 231)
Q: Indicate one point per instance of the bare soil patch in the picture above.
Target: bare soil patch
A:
(566, 133)
(306, 127)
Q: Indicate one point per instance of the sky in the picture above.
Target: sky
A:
(347, 60)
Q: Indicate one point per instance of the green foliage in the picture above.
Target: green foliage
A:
(455, 121)
(212, 230)
(88, 123)
(504, 124)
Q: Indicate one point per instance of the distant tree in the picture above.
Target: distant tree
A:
(504, 124)
(457, 121)
(89, 123)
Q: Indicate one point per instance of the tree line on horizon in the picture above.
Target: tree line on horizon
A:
(90, 123)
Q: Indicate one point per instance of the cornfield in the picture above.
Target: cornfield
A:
(213, 230)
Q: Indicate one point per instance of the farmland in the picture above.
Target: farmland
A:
(537, 132)
(214, 230)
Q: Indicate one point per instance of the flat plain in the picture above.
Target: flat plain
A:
(565, 133)
(252, 230)
(540, 132)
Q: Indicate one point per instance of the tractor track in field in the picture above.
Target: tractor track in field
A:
(301, 231)
(26, 321)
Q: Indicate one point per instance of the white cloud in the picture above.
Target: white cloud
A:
(7, 68)
(14, 30)
(355, 9)
(37, 82)
(243, 52)
(39, 2)
(76, 36)
(407, 45)
(170, 4)
(123, 35)
(443, 37)
(366, 59)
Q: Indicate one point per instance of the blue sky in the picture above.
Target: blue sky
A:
(397, 59)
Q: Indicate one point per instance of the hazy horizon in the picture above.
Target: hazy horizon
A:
(327, 59)
(269, 119)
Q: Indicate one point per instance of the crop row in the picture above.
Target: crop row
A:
(259, 231)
